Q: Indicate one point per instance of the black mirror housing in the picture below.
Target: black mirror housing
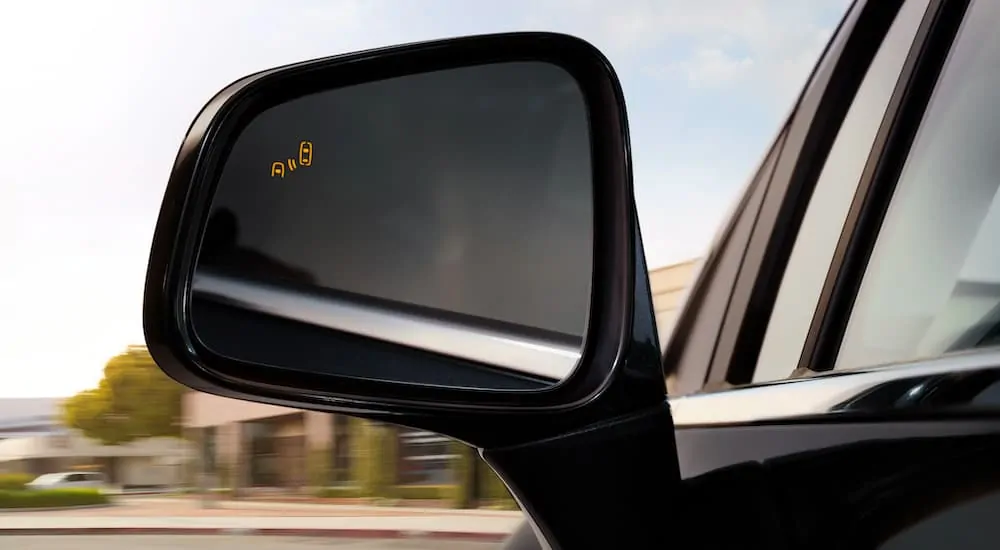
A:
(618, 370)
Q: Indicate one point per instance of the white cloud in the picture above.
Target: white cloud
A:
(712, 67)
(763, 24)
(772, 44)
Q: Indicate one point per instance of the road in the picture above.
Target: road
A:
(222, 542)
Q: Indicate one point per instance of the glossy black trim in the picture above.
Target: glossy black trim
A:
(623, 461)
(811, 135)
(824, 441)
(622, 458)
(834, 485)
(885, 163)
(616, 369)
(837, 486)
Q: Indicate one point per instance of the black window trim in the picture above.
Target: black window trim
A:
(811, 134)
(715, 277)
(902, 119)
(730, 290)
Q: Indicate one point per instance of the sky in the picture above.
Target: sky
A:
(98, 94)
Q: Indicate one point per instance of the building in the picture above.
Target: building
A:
(668, 285)
(28, 417)
(144, 464)
(33, 441)
(246, 446)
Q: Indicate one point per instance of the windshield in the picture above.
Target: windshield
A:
(49, 478)
(98, 95)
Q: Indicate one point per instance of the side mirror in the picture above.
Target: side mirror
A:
(413, 231)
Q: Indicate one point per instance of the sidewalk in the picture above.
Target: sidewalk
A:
(312, 508)
(169, 516)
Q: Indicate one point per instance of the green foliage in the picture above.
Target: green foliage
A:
(373, 473)
(14, 482)
(133, 400)
(424, 492)
(376, 459)
(354, 470)
(461, 496)
(495, 491)
(319, 466)
(471, 472)
(504, 504)
(51, 498)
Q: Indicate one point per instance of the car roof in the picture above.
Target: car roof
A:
(64, 474)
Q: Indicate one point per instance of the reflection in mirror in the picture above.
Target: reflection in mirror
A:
(449, 212)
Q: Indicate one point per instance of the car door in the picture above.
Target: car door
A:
(94, 480)
(73, 481)
(85, 481)
(850, 396)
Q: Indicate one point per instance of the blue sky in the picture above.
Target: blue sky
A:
(99, 93)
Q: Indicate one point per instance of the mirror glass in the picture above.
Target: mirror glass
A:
(449, 212)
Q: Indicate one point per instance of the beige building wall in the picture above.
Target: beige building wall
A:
(318, 429)
(228, 443)
(204, 409)
(230, 417)
(668, 285)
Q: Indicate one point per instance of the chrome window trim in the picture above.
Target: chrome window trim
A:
(817, 396)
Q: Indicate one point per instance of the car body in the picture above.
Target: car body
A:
(69, 480)
(832, 374)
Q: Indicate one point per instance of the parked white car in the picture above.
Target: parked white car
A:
(70, 480)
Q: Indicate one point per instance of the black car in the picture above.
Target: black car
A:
(459, 252)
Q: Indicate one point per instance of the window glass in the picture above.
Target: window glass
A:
(933, 283)
(476, 153)
(827, 211)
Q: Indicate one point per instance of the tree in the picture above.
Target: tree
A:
(133, 400)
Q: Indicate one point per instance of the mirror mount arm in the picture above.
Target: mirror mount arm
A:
(567, 484)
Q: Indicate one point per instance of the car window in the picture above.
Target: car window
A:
(48, 478)
(932, 285)
(820, 230)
